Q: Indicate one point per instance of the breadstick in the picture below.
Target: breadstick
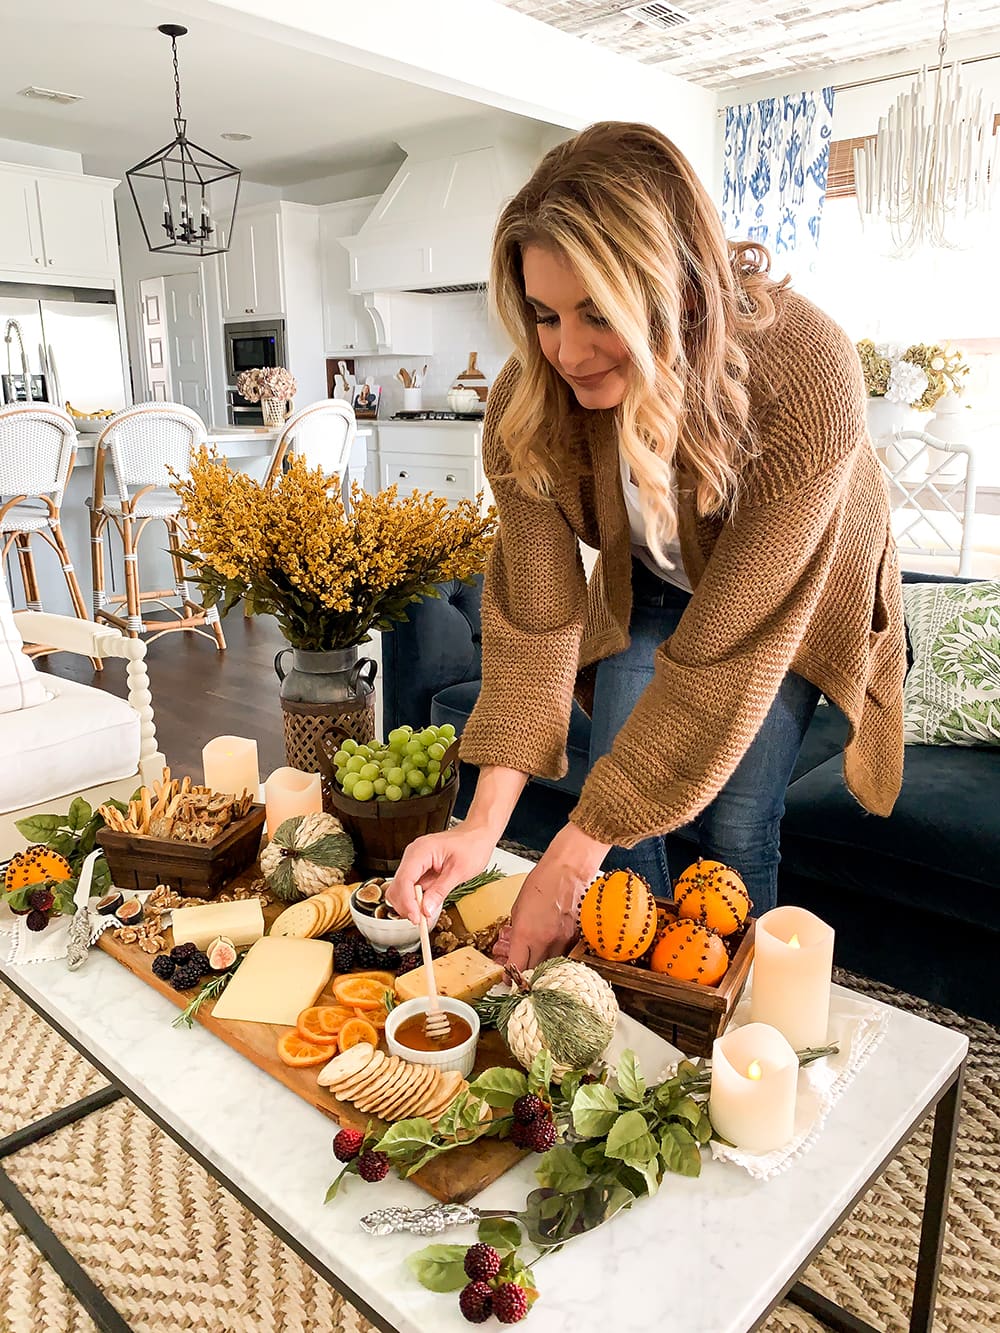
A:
(146, 810)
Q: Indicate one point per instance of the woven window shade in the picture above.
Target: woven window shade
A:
(840, 172)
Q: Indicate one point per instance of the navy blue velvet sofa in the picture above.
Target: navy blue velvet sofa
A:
(915, 899)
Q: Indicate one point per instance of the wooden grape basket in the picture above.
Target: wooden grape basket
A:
(685, 1013)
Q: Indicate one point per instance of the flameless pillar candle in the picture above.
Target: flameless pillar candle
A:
(230, 764)
(754, 1078)
(792, 963)
(288, 792)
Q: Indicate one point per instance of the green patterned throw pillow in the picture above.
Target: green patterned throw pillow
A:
(952, 691)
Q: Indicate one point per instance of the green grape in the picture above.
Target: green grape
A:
(418, 760)
(340, 773)
(393, 792)
(349, 783)
(446, 731)
(356, 763)
(364, 751)
(398, 734)
(350, 746)
(414, 779)
(428, 736)
(424, 790)
(380, 786)
(363, 790)
(436, 750)
(414, 746)
(369, 771)
(406, 763)
(396, 776)
(341, 758)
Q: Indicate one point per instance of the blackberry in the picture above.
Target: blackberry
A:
(343, 955)
(366, 956)
(36, 920)
(390, 959)
(41, 900)
(373, 1166)
(347, 1144)
(408, 961)
(481, 1262)
(510, 1304)
(163, 966)
(476, 1302)
(202, 960)
(180, 952)
(186, 975)
(528, 1108)
(540, 1135)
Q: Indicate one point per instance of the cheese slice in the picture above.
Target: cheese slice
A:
(465, 974)
(241, 922)
(490, 904)
(277, 979)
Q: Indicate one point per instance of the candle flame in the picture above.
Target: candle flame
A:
(754, 1070)
(793, 943)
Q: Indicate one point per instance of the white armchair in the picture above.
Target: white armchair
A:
(68, 739)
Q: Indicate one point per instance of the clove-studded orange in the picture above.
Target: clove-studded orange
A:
(713, 894)
(618, 916)
(690, 951)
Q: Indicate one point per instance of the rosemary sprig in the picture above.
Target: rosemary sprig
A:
(211, 990)
(461, 891)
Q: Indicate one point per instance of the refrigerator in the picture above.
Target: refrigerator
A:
(63, 344)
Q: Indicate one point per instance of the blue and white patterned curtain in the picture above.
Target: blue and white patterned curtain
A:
(774, 171)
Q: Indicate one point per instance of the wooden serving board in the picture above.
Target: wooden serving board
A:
(454, 1178)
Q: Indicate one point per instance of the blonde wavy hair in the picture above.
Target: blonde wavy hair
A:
(624, 207)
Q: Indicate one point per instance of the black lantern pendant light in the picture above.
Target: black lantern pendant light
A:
(185, 196)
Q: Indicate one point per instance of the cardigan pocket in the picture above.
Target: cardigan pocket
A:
(886, 641)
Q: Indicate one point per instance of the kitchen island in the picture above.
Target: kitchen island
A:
(248, 448)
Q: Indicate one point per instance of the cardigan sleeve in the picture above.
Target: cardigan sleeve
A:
(534, 605)
(717, 675)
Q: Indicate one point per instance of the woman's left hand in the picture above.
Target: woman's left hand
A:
(544, 919)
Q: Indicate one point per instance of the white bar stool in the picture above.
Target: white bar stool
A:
(143, 442)
(37, 451)
(323, 434)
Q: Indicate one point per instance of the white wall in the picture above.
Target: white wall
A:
(38, 155)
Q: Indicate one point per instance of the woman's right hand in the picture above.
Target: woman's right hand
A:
(438, 862)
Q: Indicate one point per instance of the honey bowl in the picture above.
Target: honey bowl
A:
(460, 1057)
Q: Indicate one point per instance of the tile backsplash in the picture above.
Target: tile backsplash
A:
(461, 325)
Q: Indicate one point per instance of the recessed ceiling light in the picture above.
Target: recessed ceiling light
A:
(50, 95)
(234, 137)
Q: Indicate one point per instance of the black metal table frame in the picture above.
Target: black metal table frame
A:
(945, 1105)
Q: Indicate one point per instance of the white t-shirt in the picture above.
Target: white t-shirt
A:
(637, 529)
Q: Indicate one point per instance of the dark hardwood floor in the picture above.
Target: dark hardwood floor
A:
(199, 692)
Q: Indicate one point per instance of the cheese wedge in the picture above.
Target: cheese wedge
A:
(241, 922)
(277, 979)
(490, 904)
(465, 974)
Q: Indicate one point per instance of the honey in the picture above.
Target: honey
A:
(412, 1034)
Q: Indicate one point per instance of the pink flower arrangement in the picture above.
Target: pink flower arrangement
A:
(266, 382)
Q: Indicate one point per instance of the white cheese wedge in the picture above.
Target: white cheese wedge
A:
(492, 903)
(465, 974)
(241, 922)
(277, 979)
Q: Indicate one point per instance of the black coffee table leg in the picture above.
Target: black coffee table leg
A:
(932, 1229)
(90, 1296)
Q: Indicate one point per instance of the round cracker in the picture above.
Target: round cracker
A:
(349, 1087)
(410, 1106)
(452, 1083)
(347, 1064)
(297, 921)
(402, 1092)
(366, 1098)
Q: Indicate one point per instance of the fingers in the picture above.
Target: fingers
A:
(520, 951)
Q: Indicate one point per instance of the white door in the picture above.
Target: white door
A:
(78, 227)
(20, 235)
(186, 338)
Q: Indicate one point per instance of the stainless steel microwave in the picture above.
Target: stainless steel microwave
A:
(248, 346)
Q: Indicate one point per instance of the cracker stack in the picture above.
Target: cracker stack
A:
(392, 1089)
(319, 915)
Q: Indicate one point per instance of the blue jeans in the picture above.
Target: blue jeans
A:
(741, 826)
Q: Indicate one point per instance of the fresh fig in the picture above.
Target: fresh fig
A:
(369, 896)
(221, 954)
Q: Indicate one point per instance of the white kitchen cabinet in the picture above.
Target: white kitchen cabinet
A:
(347, 325)
(443, 457)
(251, 269)
(57, 225)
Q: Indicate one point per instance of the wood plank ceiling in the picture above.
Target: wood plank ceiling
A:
(721, 43)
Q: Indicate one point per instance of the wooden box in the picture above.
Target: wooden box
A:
(685, 1013)
(194, 869)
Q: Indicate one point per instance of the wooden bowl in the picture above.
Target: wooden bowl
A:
(382, 830)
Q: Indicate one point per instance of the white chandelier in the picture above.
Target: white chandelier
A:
(933, 165)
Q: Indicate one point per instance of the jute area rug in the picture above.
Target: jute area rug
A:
(173, 1251)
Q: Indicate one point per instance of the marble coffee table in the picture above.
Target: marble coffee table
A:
(712, 1255)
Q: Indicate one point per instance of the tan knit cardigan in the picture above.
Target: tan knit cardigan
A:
(803, 576)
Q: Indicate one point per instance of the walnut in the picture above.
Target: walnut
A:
(128, 934)
(152, 944)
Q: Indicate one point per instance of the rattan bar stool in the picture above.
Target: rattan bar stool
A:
(323, 433)
(37, 451)
(142, 443)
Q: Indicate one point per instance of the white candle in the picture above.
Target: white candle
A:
(288, 792)
(755, 1074)
(793, 960)
(230, 764)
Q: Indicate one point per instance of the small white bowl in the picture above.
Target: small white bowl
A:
(460, 1058)
(401, 934)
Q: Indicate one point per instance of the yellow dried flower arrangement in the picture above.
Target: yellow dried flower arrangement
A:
(328, 576)
(888, 374)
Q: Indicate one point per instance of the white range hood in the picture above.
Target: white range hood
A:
(432, 228)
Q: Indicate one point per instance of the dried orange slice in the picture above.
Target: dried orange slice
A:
(376, 1017)
(356, 1030)
(321, 1023)
(386, 978)
(359, 992)
(294, 1051)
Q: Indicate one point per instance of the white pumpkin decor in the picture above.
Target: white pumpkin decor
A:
(307, 854)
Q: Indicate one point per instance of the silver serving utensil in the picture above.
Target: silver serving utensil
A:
(80, 927)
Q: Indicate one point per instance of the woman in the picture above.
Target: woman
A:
(703, 427)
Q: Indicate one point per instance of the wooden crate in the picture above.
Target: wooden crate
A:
(685, 1013)
(192, 869)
